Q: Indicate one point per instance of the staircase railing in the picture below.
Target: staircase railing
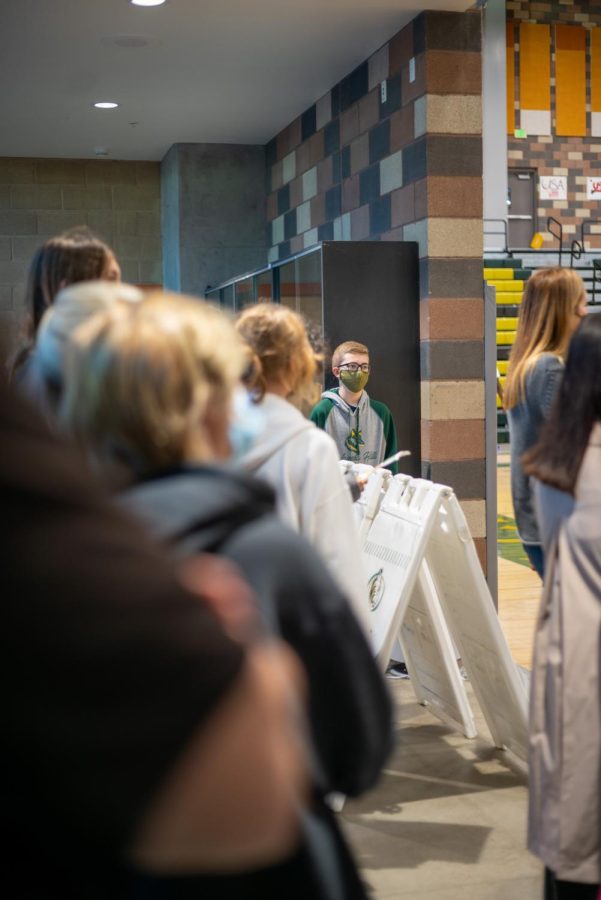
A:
(596, 277)
(576, 251)
(558, 233)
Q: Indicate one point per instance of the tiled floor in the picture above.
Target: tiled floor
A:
(448, 819)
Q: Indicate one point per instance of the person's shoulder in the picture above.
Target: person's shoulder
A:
(380, 408)
(322, 406)
(548, 362)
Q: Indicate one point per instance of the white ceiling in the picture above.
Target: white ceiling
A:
(212, 71)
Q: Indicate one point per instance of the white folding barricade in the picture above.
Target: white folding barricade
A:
(427, 587)
(470, 614)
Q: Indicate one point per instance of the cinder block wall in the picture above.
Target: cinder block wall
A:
(358, 166)
(575, 157)
(39, 198)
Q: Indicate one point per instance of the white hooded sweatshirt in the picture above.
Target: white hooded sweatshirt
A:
(301, 464)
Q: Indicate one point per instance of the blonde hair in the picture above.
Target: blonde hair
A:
(347, 347)
(278, 344)
(545, 325)
(141, 377)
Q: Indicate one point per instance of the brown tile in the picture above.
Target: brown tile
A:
(294, 134)
(303, 157)
(448, 72)
(318, 210)
(272, 207)
(450, 319)
(395, 234)
(349, 125)
(401, 48)
(459, 439)
(296, 192)
(324, 174)
(449, 196)
(455, 155)
(401, 128)
(360, 223)
(369, 110)
(276, 176)
(316, 148)
(282, 144)
(350, 193)
(411, 90)
(297, 244)
(359, 153)
(450, 278)
(402, 206)
(421, 198)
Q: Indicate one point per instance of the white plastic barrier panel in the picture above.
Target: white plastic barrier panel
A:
(426, 586)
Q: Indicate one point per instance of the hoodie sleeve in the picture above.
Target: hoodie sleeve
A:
(327, 520)
(320, 413)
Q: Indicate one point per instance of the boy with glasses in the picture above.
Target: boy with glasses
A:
(362, 428)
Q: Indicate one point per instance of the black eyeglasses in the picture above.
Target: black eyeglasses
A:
(354, 367)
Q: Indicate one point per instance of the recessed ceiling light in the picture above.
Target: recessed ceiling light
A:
(147, 2)
(106, 104)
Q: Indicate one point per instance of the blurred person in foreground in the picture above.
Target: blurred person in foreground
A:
(148, 387)
(147, 730)
(565, 715)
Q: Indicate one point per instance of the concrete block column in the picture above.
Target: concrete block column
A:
(213, 214)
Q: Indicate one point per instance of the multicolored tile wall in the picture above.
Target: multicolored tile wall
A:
(577, 158)
(394, 152)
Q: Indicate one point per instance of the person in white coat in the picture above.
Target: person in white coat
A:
(298, 459)
(565, 722)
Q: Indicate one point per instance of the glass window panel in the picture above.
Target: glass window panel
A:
(245, 295)
(264, 286)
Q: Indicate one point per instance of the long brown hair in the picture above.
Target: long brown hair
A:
(69, 258)
(557, 457)
(545, 324)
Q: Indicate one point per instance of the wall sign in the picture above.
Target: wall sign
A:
(553, 187)
(593, 188)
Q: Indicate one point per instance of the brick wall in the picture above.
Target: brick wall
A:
(575, 157)
(358, 166)
(39, 198)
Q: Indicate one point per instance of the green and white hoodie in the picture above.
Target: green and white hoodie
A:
(364, 433)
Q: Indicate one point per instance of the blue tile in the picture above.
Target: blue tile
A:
(345, 162)
(354, 86)
(419, 34)
(336, 168)
(393, 96)
(379, 141)
(369, 184)
(333, 205)
(414, 161)
(326, 232)
(331, 137)
(290, 224)
(379, 215)
(335, 100)
(308, 123)
(283, 199)
(284, 249)
(271, 152)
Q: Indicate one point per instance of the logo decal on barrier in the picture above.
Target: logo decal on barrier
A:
(376, 586)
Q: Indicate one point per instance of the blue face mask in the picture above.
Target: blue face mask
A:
(246, 423)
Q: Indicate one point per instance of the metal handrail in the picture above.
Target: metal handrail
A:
(498, 233)
(576, 251)
(551, 220)
(596, 277)
(583, 229)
